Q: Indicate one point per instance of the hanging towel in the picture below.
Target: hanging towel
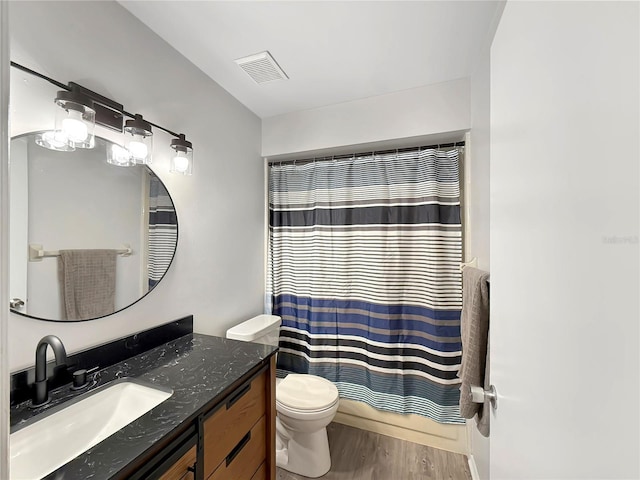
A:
(475, 344)
(87, 283)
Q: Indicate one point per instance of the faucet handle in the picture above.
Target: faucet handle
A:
(80, 378)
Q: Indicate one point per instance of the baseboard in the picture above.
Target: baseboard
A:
(475, 475)
(413, 428)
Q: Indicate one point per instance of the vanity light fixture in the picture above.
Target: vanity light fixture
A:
(182, 158)
(119, 156)
(79, 109)
(138, 139)
(75, 119)
(54, 140)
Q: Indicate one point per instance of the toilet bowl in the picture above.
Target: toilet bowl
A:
(305, 405)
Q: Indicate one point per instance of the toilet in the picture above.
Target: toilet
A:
(305, 405)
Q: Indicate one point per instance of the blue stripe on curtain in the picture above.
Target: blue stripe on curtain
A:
(385, 323)
(364, 258)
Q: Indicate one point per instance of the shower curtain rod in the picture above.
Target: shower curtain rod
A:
(361, 154)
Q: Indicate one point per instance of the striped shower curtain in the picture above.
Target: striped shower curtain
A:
(364, 256)
(163, 230)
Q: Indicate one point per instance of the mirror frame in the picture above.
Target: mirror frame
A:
(175, 249)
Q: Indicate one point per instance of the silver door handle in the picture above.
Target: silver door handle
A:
(480, 395)
(16, 303)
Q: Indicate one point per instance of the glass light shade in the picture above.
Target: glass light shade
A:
(54, 141)
(180, 164)
(138, 139)
(182, 156)
(75, 119)
(119, 156)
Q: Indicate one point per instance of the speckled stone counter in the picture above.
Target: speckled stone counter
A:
(199, 369)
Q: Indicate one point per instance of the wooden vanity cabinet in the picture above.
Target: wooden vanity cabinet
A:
(239, 434)
(233, 440)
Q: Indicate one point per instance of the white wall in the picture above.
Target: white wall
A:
(477, 171)
(217, 273)
(476, 199)
(19, 221)
(4, 240)
(565, 207)
(477, 202)
(429, 110)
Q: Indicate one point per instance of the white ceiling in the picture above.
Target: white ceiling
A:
(333, 52)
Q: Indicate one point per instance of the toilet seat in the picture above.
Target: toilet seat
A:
(297, 413)
(303, 393)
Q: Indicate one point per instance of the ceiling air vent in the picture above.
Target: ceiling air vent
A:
(262, 68)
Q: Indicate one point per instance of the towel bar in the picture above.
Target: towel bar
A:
(471, 263)
(37, 253)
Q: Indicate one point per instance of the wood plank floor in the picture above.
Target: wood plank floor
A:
(361, 455)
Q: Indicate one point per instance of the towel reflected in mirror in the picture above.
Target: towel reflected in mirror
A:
(87, 283)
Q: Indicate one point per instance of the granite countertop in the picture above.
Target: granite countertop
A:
(197, 367)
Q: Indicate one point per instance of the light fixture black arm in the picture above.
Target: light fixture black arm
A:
(40, 75)
(90, 93)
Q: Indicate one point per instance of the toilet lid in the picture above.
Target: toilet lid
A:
(306, 392)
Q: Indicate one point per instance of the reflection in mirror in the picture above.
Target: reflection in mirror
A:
(87, 238)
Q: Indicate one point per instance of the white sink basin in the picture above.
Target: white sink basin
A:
(66, 431)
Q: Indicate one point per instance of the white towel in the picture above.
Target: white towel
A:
(475, 344)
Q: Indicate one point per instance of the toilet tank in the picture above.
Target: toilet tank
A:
(260, 329)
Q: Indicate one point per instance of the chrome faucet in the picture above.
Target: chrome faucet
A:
(41, 392)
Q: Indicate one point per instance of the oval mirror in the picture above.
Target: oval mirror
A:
(87, 238)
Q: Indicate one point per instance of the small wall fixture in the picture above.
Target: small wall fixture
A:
(138, 140)
(75, 118)
(182, 160)
(54, 140)
(79, 109)
(119, 156)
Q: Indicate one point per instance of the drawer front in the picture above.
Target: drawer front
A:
(229, 424)
(261, 474)
(242, 462)
(180, 469)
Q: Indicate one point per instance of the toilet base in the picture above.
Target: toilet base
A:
(307, 453)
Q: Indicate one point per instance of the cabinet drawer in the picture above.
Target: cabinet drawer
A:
(228, 425)
(261, 474)
(180, 469)
(245, 457)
